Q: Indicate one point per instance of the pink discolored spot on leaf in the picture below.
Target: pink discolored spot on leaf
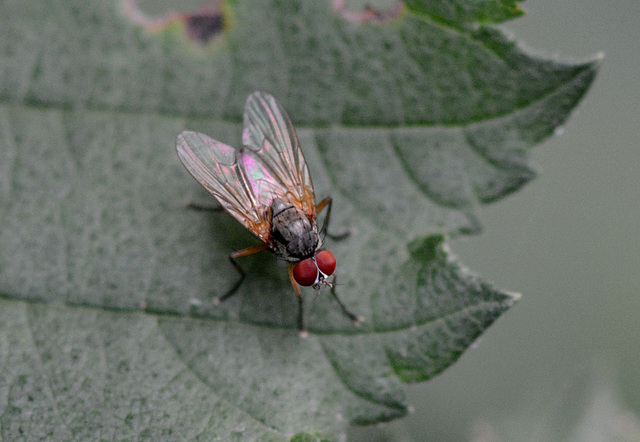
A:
(369, 14)
(201, 26)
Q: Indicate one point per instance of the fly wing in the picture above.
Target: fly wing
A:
(270, 139)
(221, 169)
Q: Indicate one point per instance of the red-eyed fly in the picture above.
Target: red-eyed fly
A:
(267, 187)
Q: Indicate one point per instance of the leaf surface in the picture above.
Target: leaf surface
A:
(108, 327)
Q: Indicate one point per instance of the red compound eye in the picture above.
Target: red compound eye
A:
(305, 272)
(326, 262)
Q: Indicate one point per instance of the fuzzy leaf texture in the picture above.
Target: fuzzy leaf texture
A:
(409, 118)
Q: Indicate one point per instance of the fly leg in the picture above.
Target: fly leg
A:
(328, 202)
(355, 318)
(232, 258)
(203, 208)
(301, 325)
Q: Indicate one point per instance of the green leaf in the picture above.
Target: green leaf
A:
(108, 327)
(456, 13)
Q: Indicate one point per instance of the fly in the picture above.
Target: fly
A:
(267, 187)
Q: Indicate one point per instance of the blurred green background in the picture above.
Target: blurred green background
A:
(570, 243)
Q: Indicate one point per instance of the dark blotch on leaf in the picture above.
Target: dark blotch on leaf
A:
(203, 26)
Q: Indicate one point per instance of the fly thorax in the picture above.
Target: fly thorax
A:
(294, 235)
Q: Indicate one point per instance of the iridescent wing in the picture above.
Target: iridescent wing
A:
(245, 182)
(269, 136)
(220, 170)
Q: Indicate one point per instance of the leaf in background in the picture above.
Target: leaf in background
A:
(108, 327)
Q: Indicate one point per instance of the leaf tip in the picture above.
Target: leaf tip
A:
(599, 58)
(512, 298)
